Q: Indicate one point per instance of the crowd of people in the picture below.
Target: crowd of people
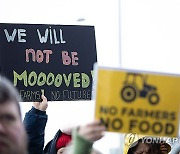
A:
(27, 137)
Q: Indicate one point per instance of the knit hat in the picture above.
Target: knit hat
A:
(63, 140)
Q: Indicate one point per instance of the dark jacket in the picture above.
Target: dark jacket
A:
(50, 148)
(35, 123)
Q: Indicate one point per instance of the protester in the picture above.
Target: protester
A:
(58, 143)
(35, 122)
(13, 138)
(141, 148)
(149, 145)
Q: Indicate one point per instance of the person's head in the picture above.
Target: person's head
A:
(140, 147)
(144, 146)
(62, 141)
(12, 133)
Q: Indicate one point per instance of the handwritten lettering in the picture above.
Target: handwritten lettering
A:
(52, 36)
(76, 79)
(39, 55)
(21, 33)
(30, 95)
(66, 59)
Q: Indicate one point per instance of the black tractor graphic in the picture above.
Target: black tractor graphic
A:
(131, 91)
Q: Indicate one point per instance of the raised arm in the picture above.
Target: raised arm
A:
(35, 122)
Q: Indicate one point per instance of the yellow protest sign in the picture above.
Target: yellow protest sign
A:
(141, 102)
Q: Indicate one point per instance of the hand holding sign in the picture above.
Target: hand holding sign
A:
(41, 105)
(92, 131)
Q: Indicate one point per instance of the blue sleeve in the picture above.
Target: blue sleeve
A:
(35, 123)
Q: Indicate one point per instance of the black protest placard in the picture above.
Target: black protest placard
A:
(56, 60)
